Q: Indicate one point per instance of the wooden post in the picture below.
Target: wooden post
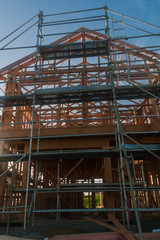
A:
(109, 201)
(24, 180)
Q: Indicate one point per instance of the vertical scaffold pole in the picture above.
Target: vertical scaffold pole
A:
(32, 124)
(116, 121)
(124, 159)
(120, 167)
(39, 132)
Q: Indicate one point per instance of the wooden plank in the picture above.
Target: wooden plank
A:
(95, 236)
(128, 235)
(71, 143)
(76, 131)
(103, 236)
(103, 224)
(72, 169)
(119, 229)
(3, 237)
(108, 196)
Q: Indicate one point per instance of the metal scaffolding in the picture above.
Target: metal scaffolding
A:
(80, 121)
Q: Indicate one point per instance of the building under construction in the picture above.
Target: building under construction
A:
(80, 122)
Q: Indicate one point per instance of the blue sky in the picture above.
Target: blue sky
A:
(13, 13)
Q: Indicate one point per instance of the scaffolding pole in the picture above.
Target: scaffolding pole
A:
(40, 16)
(121, 142)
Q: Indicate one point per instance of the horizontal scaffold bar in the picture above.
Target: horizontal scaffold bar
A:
(80, 94)
(86, 153)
